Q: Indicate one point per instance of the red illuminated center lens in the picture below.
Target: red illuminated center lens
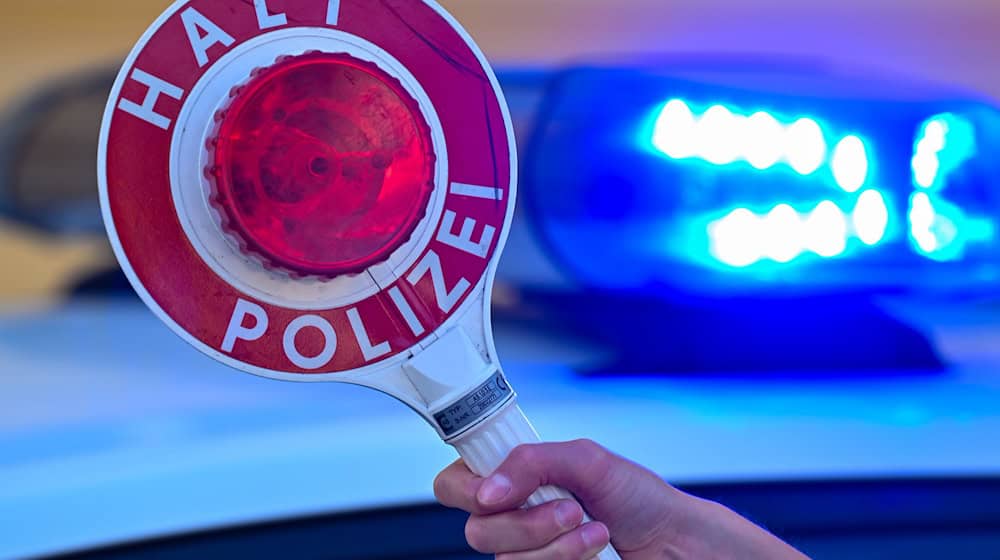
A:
(323, 165)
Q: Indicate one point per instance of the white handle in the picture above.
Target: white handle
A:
(486, 446)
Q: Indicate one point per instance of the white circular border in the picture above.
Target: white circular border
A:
(189, 157)
(356, 376)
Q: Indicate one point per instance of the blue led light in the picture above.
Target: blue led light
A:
(944, 143)
(720, 136)
(743, 238)
(736, 240)
(925, 169)
(926, 162)
(782, 234)
(941, 231)
(871, 217)
(675, 129)
(764, 135)
(826, 230)
(805, 146)
(933, 227)
(850, 164)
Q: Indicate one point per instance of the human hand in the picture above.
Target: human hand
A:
(644, 517)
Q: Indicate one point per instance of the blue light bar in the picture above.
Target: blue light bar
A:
(723, 178)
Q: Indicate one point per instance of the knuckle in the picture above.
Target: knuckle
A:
(524, 455)
(596, 460)
(590, 448)
(541, 527)
(475, 535)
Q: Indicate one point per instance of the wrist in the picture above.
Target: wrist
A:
(711, 531)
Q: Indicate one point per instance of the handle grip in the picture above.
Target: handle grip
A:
(486, 446)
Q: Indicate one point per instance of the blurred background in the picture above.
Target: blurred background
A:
(60, 41)
(800, 202)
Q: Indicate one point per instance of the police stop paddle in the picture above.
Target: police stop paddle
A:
(319, 190)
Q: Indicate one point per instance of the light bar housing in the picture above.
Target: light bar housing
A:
(728, 176)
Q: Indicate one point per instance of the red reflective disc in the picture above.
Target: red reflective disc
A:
(301, 119)
(323, 165)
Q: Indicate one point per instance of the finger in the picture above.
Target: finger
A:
(581, 544)
(520, 530)
(582, 467)
(456, 487)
